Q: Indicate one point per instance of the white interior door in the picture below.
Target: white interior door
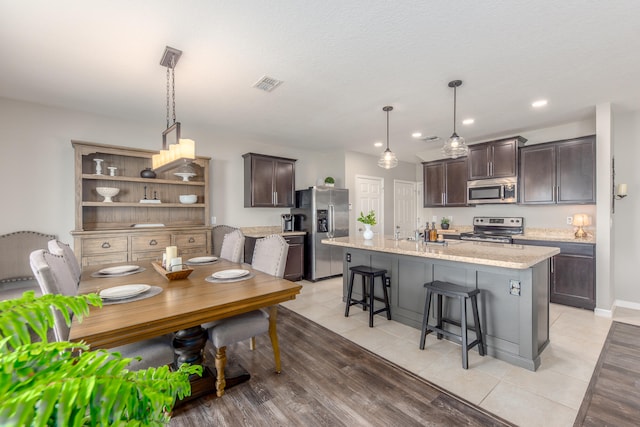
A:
(404, 207)
(370, 196)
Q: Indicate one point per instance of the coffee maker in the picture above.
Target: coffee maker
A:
(287, 222)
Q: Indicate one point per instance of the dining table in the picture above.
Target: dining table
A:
(179, 306)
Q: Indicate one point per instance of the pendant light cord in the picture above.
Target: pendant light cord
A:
(454, 109)
(387, 129)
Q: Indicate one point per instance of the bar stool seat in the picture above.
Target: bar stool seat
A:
(368, 275)
(446, 289)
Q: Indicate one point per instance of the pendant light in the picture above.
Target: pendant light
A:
(388, 159)
(181, 151)
(455, 147)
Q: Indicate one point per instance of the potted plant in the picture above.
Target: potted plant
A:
(368, 220)
(444, 223)
(329, 181)
(65, 383)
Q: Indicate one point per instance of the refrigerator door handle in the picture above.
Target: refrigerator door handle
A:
(332, 224)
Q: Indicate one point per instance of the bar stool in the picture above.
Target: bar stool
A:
(368, 275)
(463, 293)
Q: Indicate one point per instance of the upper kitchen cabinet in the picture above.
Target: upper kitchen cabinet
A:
(268, 181)
(445, 183)
(495, 159)
(561, 172)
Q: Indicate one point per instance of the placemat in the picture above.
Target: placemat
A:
(98, 274)
(212, 279)
(152, 292)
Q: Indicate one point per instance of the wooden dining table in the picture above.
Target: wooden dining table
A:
(181, 307)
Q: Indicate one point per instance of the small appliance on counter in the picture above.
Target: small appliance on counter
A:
(287, 223)
(494, 229)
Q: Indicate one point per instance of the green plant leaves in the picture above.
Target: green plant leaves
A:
(370, 218)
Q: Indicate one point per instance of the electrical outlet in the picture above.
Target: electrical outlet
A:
(213, 220)
(434, 218)
(514, 287)
(569, 220)
(451, 219)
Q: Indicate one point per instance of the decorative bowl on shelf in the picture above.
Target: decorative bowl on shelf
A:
(107, 193)
(188, 199)
(185, 175)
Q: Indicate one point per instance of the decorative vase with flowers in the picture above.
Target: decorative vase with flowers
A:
(368, 220)
(444, 223)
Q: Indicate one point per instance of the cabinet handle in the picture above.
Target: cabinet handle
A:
(442, 199)
(106, 245)
(192, 240)
(557, 193)
(275, 198)
(551, 264)
(491, 168)
(153, 242)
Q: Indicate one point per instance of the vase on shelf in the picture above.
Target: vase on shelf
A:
(98, 166)
(368, 232)
(147, 173)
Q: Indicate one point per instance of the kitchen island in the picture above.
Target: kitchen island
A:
(513, 281)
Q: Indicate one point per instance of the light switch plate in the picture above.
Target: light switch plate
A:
(569, 220)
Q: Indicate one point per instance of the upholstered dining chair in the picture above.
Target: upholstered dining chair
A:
(55, 277)
(269, 256)
(59, 248)
(217, 236)
(233, 246)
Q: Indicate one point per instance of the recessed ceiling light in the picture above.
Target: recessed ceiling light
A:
(416, 134)
(539, 103)
(468, 121)
(377, 144)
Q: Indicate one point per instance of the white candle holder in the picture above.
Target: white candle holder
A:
(112, 170)
(98, 166)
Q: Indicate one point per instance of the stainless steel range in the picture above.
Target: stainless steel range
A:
(494, 229)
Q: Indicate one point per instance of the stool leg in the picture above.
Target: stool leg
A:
(425, 319)
(349, 293)
(463, 332)
(476, 320)
(386, 296)
(439, 315)
(371, 299)
(364, 293)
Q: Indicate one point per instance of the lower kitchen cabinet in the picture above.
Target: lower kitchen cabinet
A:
(294, 269)
(572, 273)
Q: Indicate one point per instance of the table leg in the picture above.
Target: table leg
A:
(188, 346)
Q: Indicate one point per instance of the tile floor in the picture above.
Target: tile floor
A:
(551, 396)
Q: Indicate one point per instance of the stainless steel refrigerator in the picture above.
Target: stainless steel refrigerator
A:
(323, 212)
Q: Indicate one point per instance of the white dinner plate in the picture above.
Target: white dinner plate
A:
(203, 259)
(124, 291)
(229, 274)
(119, 269)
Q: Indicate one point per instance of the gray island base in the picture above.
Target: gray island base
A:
(513, 281)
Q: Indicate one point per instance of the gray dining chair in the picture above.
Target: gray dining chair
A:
(57, 247)
(270, 256)
(233, 246)
(217, 236)
(55, 277)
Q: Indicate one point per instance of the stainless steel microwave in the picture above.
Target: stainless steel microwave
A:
(496, 190)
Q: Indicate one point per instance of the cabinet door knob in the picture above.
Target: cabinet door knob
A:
(192, 240)
(106, 245)
(153, 242)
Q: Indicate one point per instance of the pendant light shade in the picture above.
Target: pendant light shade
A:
(388, 159)
(455, 146)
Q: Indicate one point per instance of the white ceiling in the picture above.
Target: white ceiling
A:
(341, 62)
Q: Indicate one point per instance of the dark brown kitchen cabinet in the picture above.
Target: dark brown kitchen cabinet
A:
(495, 159)
(268, 181)
(572, 273)
(294, 269)
(445, 183)
(561, 172)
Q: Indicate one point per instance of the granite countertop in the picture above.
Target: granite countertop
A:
(531, 233)
(494, 254)
(262, 231)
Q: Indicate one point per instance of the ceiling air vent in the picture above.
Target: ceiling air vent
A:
(267, 83)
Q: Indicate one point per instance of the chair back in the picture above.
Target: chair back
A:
(15, 249)
(217, 236)
(270, 255)
(54, 277)
(56, 247)
(233, 246)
